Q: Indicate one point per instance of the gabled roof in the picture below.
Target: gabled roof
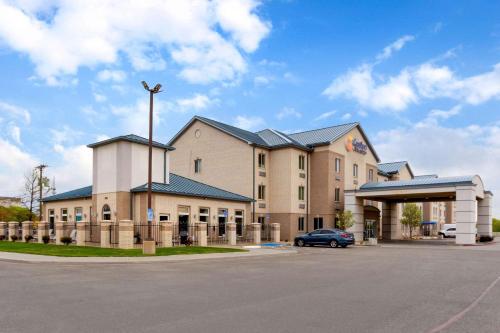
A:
(184, 186)
(130, 138)
(417, 183)
(392, 168)
(270, 138)
(84, 192)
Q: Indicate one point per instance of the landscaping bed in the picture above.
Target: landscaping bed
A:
(88, 251)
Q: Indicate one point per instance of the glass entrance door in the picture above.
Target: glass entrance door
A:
(370, 230)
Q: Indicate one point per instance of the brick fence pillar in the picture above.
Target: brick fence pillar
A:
(166, 233)
(126, 234)
(59, 231)
(201, 231)
(13, 227)
(256, 229)
(81, 232)
(3, 230)
(275, 232)
(231, 233)
(27, 229)
(105, 233)
(42, 230)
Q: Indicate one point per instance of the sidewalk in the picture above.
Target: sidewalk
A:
(33, 258)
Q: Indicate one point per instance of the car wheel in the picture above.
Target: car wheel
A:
(334, 243)
(301, 243)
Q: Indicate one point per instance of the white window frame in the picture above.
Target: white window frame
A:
(337, 164)
(302, 192)
(262, 160)
(207, 214)
(302, 162)
(164, 215)
(80, 214)
(64, 216)
(355, 170)
(197, 165)
(261, 195)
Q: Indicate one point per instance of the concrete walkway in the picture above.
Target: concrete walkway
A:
(33, 258)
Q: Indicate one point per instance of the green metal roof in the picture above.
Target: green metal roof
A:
(184, 186)
(417, 183)
(130, 138)
(84, 192)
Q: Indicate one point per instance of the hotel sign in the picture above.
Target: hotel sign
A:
(353, 144)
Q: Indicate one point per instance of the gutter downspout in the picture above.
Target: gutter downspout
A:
(165, 166)
(253, 184)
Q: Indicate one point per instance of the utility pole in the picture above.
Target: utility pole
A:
(40, 185)
(152, 91)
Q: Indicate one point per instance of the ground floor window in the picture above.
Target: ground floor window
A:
(78, 214)
(318, 223)
(204, 215)
(52, 219)
(64, 214)
(301, 224)
(261, 220)
(238, 218)
(222, 213)
(106, 213)
(164, 217)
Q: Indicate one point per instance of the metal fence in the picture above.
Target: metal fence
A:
(141, 234)
(184, 235)
(92, 234)
(245, 236)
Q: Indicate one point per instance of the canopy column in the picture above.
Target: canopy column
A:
(466, 216)
(355, 205)
(485, 215)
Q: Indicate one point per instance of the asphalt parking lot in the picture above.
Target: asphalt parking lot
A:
(398, 288)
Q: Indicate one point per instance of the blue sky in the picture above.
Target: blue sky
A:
(419, 76)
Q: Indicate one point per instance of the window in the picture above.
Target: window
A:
(262, 192)
(355, 170)
(261, 220)
(52, 219)
(239, 219)
(204, 214)
(78, 214)
(337, 221)
(337, 165)
(337, 194)
(106, 213)
(197, 165)
(318, 223)
(164, 217)
(301, 192)
(302, 162)
(370, 175)
(64, 214)
(262, 160)
(300, 226)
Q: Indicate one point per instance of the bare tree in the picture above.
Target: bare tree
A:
(32, 189)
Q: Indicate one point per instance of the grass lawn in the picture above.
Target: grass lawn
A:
(88, 251)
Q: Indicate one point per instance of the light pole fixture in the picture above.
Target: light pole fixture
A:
(152, 91)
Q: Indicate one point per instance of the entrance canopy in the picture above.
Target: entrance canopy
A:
(420, 190)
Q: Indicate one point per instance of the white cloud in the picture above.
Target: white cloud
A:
(262, 80)
(346, 116)
(445, 114)
(13, 163)
(15, 133)
(249, 123)
(111, 75)
(325, 115)
(14, 111)
(394, 47)
(208, 39)
(74, 168)
(196, 103)
(287, 112)
(395, 93)
(99, 98)
(446, 151)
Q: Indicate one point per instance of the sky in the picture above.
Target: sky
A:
(422, 77)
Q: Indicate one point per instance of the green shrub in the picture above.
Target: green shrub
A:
(2, 237)
(13, 238)
(28, 238)
(46, 239)
(66, 240)
(496, 225)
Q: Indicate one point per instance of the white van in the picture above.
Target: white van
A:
(448, 230)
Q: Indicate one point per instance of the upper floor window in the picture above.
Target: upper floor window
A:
(262, 160)
(106, 213)
(355, 170)
(301, 192)
(262, 192)
(302, 162)
(337, 165)
(300, 226)
(370, 175)
(337, 194)
(197, 165)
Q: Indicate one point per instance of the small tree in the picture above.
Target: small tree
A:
(345, 219)
(412, 217)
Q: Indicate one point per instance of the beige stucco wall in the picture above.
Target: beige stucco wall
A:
(227, 162)
(169, 204)
(122, 165)
(85, 204)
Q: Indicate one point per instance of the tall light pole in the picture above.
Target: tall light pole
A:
(40, 185)
(153, 91)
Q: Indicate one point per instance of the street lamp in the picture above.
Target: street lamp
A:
(153, 91)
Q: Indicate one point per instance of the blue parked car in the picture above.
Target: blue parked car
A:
(332, 237)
